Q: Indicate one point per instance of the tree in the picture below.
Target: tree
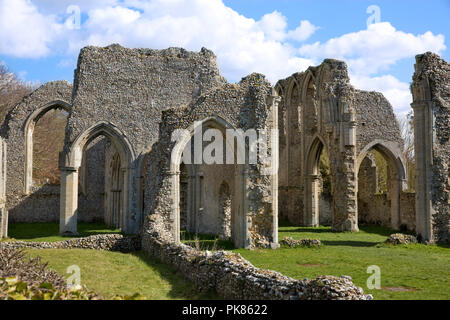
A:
(48, 135)
(407, 131)
(12, 91)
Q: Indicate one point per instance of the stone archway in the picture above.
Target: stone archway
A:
(197, 187)
(28, 134)
(311, 177)
(72, 157)
(396, 173)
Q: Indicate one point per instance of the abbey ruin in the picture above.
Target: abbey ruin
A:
(121, 164)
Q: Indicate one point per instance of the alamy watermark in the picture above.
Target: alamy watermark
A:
(73, 22)
(74, 280)
(375, 14)
(374, 280)
(253, 147)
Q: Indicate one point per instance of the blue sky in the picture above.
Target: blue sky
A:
(40, 39)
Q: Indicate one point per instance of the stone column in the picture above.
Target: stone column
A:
(174, 215)
(68, 202)
(431, 105)
(198, 213)
(3, 223)
(345, 206)
(311, 201)
(423, 146)
(394, 195)
(191, 203)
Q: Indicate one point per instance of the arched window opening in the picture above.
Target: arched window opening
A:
(47, 141)
(91, 181)
(203, 190)
(381, 176)
(324, 190)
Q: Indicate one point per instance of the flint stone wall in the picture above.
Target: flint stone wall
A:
(91, 196)
(128, 89)
(375, 119)
(110, 242)
(42, 204)
(375, 210)
(246, 105)
(233, 277)
(408, 210)
(322, 103)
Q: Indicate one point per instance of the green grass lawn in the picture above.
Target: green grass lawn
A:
(114, 273)
(49, 231)
(407, 272)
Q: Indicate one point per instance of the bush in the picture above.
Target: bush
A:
(32, 271)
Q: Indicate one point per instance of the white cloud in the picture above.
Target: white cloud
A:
(242, 45)
(373, 51)
(303, 31)
(24, 32)
(35, 28)
(376, 48)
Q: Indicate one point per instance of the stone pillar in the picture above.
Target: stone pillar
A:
(311, 201)
(394, 193)
(127, 223)
(3, 223)
(345, 205)
(423, 146)
(191, 203)
(68, 202)
(174, 215)
(431, 105)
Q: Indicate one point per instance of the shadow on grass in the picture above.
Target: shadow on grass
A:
(181, 287)
(349, 243)
(27, 231)
(307, 230)
(375, 229)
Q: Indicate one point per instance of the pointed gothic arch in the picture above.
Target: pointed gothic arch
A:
(72, 157)
(240, 235)
(29, 125)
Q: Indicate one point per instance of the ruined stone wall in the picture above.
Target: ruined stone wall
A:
(39, 204)
(431, 104)
(110, 242)
(247, 105)
(209, 220)
(233, 277)
(321, 102)
(326, 210)
(375, 212)
(125, 90)
(408, 210)
(320, 109)
(91, 195)
(130, 87)
(375, 119)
